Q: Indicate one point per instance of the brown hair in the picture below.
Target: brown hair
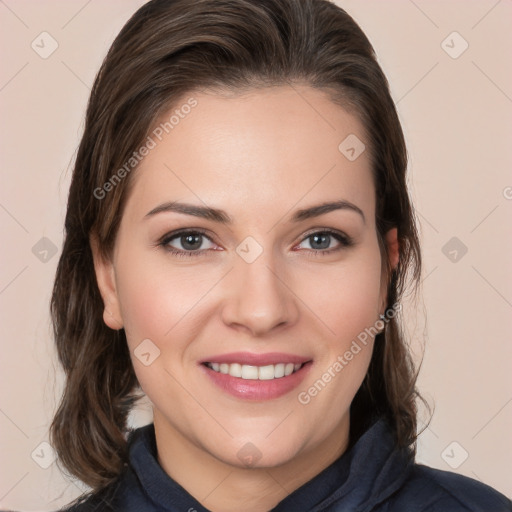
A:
(167, 49)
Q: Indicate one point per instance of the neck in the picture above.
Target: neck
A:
(221, 487)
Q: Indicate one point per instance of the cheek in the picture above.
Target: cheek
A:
(157, 298)
(160, 303)
(346, 296)
(348, 305)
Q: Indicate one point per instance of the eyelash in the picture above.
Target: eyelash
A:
(344, 240)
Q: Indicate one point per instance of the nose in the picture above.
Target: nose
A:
(258, 297)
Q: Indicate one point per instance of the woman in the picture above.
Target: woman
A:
(238, 238)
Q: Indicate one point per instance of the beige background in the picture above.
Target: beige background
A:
(456, 114)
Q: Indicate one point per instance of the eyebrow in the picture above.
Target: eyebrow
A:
(222, 217)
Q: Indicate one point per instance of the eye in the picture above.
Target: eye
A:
(189, 242)
(321, 241)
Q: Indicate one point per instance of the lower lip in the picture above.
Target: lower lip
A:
(252, 389)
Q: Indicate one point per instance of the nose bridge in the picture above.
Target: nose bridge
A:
(258, 297)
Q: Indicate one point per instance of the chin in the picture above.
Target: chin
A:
(258, 451)
(250, 456)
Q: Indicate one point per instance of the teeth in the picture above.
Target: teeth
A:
(279, 370)
(235, 369)
(245, 371)
(249, 372)
(264, 372)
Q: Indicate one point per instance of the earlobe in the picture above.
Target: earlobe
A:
(104, 270)
(111, 321)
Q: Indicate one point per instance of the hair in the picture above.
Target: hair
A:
(170, 48)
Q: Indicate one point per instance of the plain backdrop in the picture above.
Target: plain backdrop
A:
(448, 63)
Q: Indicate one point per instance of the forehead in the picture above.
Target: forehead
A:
(263, 150)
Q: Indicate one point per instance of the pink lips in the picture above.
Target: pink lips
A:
(253, 389)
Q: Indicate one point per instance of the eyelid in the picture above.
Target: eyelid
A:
(325, 229)
(165, 239)
(344, 240)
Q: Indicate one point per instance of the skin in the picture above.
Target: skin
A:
(259, 156)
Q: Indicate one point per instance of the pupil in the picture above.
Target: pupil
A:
(324, 240)
(191, 241)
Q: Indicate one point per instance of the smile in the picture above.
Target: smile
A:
(249, 372)
(256, 382)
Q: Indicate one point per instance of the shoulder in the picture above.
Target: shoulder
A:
(432, 490)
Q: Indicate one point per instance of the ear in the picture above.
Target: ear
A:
(393, 251)
(105, 278)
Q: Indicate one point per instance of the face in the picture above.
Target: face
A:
(249, 278)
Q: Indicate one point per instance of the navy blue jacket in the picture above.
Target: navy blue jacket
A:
(372, 476)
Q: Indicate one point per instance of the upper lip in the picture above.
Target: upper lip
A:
(253, 359)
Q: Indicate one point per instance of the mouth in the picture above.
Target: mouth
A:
(249, 372)
(256, 377)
